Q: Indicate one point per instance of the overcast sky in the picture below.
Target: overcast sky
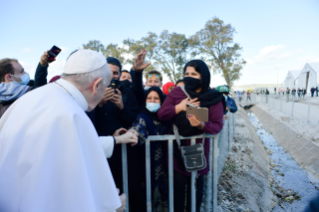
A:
(275, 35)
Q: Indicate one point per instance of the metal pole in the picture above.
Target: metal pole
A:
(125, 177)
(148, 176)
(215, 180)
(293, 101)
(209, 177)
(228, 121)
(308, 110)
(171, 175)
(193, 185)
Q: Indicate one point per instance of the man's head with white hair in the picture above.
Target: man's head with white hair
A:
(88, 71)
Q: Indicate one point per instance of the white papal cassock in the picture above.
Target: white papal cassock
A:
(51, 158)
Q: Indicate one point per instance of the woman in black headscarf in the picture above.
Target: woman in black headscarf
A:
(197, 80)
(147, 123)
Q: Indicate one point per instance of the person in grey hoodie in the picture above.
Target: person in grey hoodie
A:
(14, 83)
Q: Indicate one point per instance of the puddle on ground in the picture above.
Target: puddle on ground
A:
(293, 186)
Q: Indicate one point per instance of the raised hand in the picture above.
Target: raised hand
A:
(139, 64)
(44, 61)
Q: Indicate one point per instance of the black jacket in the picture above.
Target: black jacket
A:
(109, 118)
(40, 77)
(137, 87)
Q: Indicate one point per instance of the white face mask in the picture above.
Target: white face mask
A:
(25, 78)
(153, 107)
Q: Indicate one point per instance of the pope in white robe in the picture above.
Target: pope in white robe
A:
(51, 158)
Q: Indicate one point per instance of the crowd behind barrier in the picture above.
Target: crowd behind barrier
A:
(121, 112)
(219, 149)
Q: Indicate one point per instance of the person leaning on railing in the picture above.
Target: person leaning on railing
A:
(197, 80)
(147, 123)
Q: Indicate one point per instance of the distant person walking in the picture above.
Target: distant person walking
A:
(299, 92)
(267, 93)
(293, 92)
(240, 95)
(312, 91)
(279, 90)
(275, 90)
(248, 96)
(317, 91)
(287, 94)
(303, 93)
(283, 91)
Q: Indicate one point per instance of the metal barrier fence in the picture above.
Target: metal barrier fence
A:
(219, 148)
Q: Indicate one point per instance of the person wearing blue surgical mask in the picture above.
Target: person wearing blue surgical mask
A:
(14, 83)
(146, 124)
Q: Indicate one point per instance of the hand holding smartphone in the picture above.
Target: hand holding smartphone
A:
(53, 53)
(201, 113)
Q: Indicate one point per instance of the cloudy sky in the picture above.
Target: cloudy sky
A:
(276, 36)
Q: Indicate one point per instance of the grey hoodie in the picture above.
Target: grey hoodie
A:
(12, 91)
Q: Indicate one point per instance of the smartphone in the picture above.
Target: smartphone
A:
(115, 84)
(201, 113)
(53, 53)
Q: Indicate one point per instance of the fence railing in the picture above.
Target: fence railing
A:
(218, 152)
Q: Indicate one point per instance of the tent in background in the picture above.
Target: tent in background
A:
(308, 76)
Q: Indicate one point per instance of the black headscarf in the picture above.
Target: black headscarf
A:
(207, 97)
(162, 98)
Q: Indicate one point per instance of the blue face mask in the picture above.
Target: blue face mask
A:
(25, 78)
(153, 107)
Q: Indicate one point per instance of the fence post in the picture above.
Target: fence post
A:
(228, 122)
(308, 110)
(171, 175)
(193, 184)
(148, 176)
(208, 195)
(215, 174)
(125, 177)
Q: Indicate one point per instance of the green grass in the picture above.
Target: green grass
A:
(232, 167)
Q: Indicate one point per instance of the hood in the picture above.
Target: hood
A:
(12, 91)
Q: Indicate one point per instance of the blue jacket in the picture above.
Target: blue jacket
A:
(230, 103)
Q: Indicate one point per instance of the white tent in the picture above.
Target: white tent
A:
(290, 80)
(308, 76)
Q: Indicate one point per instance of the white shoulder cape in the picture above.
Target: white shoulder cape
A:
(51, 158)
